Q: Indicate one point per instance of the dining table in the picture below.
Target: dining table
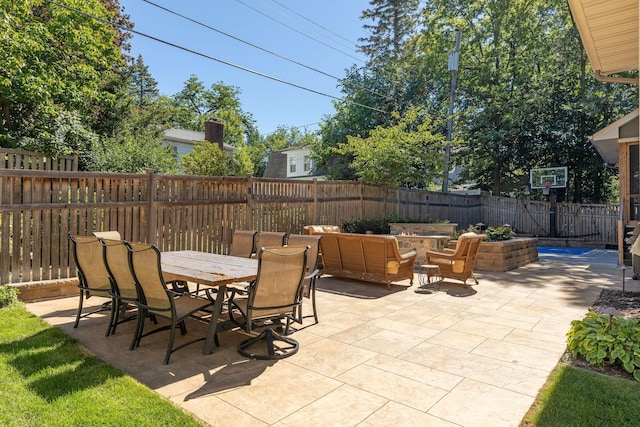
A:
(213, 270)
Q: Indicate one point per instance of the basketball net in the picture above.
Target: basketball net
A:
(545, 190)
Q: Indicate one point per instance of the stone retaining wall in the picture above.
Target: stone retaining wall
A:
(47, 289)
(506, 255)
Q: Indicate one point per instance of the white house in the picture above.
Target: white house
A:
(293, 162)
(183, 141)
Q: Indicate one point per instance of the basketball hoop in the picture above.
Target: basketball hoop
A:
(547, 186)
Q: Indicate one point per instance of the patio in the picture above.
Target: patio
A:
(464, 356)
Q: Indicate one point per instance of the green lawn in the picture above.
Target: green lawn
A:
(48, 380)
(574, 397)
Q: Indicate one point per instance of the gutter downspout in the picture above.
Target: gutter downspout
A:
(605, 78)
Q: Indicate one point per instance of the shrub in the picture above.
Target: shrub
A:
(8, 295)
(611, 340)
(381, 225)
(496, 234)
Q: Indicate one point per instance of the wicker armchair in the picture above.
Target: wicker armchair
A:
(458, 264)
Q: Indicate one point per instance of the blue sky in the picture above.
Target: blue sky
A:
(270, 102)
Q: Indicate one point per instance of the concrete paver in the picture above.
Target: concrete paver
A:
(448, 356)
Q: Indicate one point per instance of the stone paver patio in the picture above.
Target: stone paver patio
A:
(457, 356)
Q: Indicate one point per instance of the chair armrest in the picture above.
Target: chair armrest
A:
(408, 255)
(443, 255)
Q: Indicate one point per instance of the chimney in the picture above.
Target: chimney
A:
(214, 132)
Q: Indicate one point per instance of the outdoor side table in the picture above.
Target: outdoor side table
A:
(429, 274)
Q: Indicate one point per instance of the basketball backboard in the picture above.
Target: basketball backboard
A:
(545, 178)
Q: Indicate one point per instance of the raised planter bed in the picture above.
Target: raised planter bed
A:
(423, 229)
(506, 255)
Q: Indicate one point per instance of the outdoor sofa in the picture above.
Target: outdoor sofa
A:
(367, 257)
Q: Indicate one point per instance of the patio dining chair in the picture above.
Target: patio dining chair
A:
(123, 288)
(111, 235)
(273, 297)
(312, 270)
(154, 297)
(92, 274)
(269, 239)
(243, 243)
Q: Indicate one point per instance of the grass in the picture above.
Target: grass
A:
(582, 398)
(48, 379)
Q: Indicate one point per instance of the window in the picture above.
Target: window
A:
(292, 165)
(307, 163)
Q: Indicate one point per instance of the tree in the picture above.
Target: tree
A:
(394, 22)
(145, 86)
(57, 64)
(208, 159)
(196, 104)
(405, 154)
(526, 96)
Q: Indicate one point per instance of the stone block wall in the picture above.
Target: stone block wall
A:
(506, 255)
(424, 229)
(47, 289)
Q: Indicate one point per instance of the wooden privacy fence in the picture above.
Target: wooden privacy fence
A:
(20, 159)
(40, 208)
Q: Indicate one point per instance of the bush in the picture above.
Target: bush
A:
(8, 295)
(381, 225)
(611, 340)
(496, 234)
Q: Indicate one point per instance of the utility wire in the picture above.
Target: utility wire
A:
(344, 82)
(313, 22)
(240, 67)
(298, 31)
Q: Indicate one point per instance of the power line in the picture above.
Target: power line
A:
(292, 127)
(313, 22)
(345, 82)
(298, 31)
(212, 57)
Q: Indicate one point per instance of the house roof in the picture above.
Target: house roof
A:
(189, 137)
(609, 33)
(606, 140)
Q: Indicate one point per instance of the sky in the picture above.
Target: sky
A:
(321, 35)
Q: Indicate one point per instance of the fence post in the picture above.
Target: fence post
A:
(152, 234)
(314, 214)
(249, 202)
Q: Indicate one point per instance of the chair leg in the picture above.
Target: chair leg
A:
(142, 313)
(172, 336)
(113, 319)
(313, 301)
(79, 314)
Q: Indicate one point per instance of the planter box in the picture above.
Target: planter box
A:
(506, 255)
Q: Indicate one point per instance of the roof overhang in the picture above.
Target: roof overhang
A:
(606, 140)
(609, 33)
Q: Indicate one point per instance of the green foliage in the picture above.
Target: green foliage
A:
(58, 68)
(134, 154)
(196, 104)
(208, 159)
(8, 295)
(611, 340)
(374, 225)
(496, 234)
(408, 153)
